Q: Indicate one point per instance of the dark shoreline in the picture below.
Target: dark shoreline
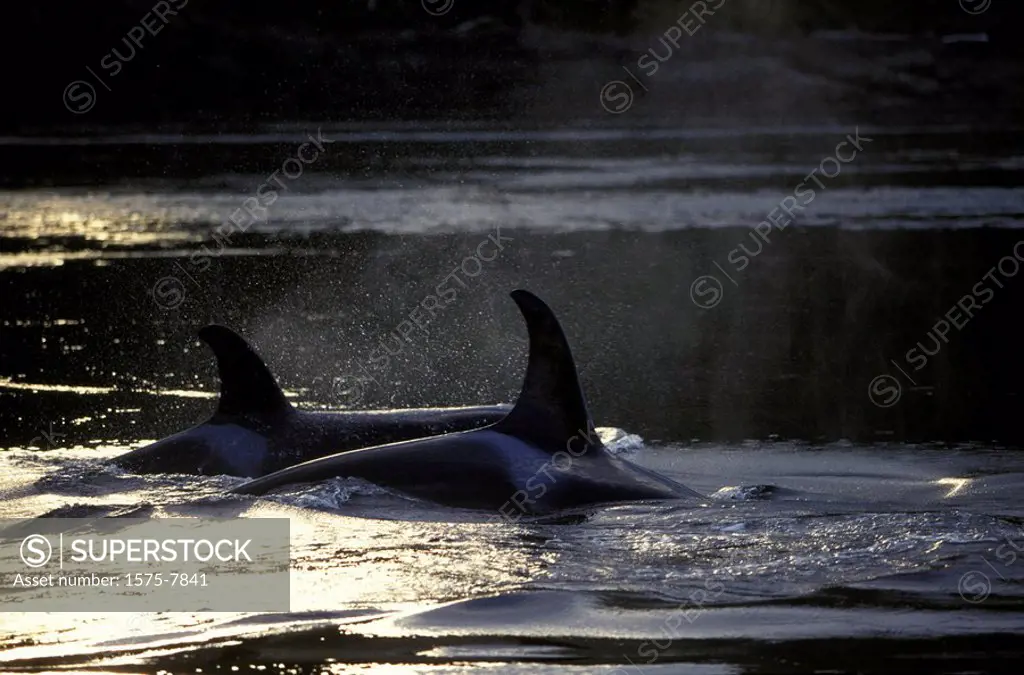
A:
(219, 67)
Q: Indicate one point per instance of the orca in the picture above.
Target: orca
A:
(544, 456)
(255, 430)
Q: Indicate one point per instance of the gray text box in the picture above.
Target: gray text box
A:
(139, 565)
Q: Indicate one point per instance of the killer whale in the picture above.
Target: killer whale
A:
(255, 430)
(499, 466)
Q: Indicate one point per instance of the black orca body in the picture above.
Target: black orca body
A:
(543, 456)
(256, 431)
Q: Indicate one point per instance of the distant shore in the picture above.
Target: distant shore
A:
(209, 68)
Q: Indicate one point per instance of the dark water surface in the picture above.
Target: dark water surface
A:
(863, 473)
(686, 324)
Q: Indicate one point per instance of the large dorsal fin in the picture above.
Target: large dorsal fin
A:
(246, 386)
(551, 410)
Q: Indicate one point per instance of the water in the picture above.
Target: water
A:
(796, 545)
(852, 536)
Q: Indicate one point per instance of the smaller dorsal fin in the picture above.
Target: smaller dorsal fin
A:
(551, 410)
(246, 386)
